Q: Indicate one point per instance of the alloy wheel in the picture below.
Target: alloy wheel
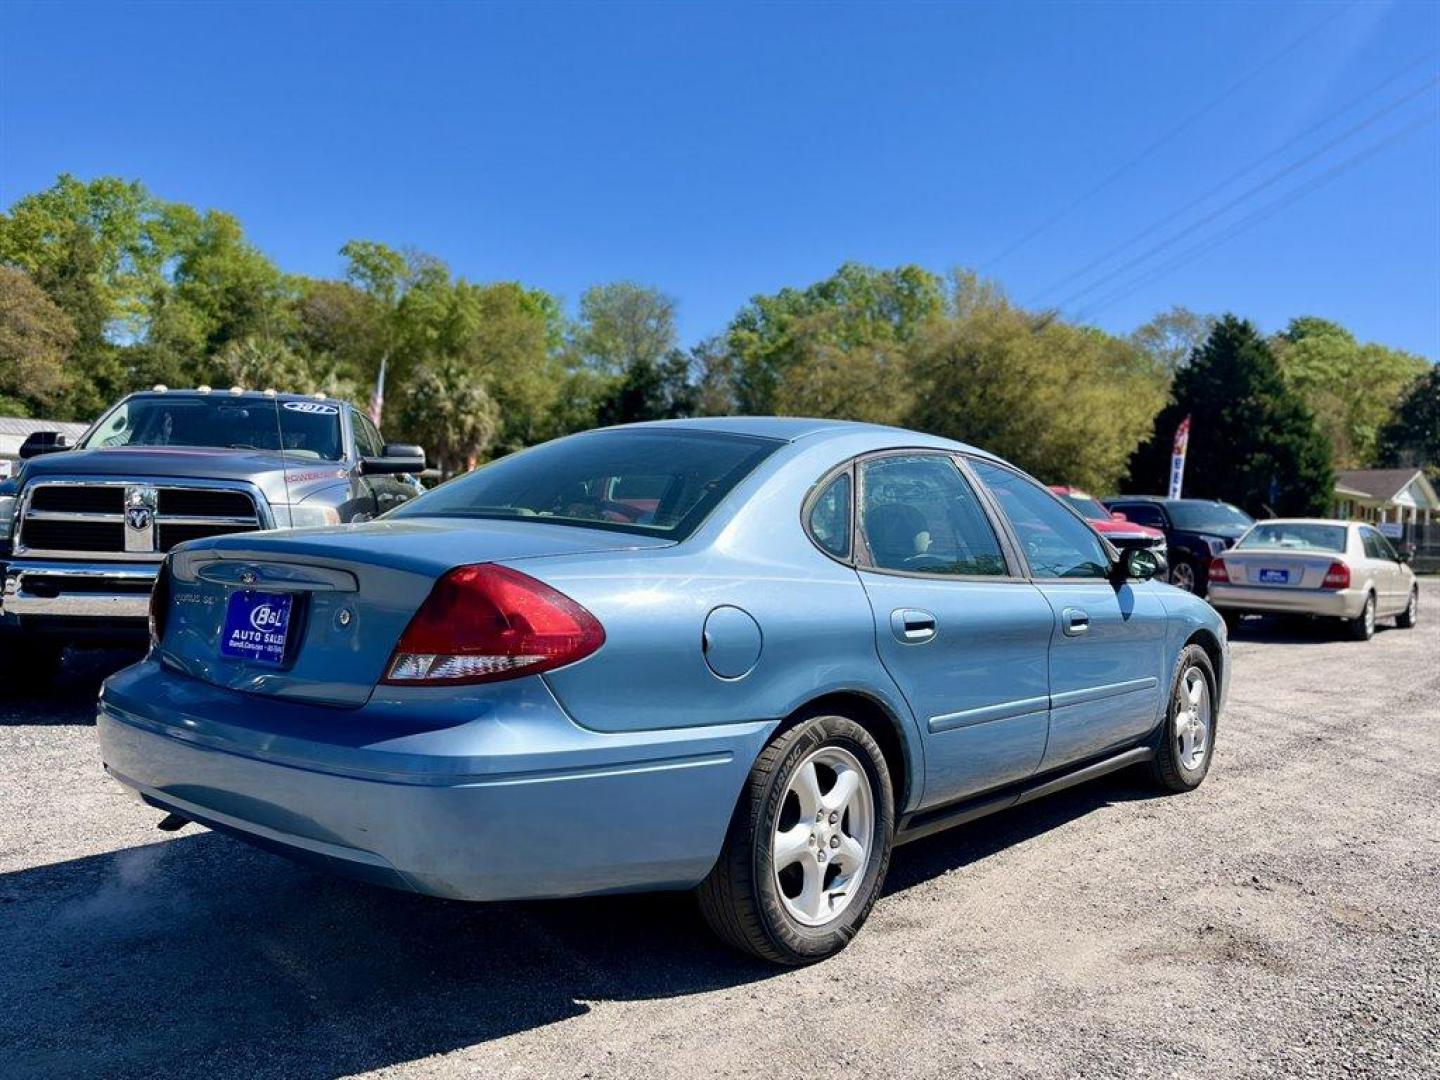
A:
(823, 834)
(1193, 719)
(1182, 576)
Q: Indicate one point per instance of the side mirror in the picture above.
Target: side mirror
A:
(1405, 554)
(43, 442)
(397, 458)
(1137, 564)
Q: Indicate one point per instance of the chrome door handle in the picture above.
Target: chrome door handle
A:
(1074, 621)
(912, 626)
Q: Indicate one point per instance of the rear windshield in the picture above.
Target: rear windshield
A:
(1279, 534)
(656, 483)
(1208, 516)
(308, 429)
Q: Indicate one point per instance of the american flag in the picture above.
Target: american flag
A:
(377, 399)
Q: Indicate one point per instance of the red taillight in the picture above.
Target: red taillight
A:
(1219, 571)
(1337, 577)
(485, 622)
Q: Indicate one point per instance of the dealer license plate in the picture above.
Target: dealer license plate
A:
(256, 627)
(1274, 577)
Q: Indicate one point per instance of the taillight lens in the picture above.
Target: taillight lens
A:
(483, 623)
(1219, 571)
(1337, 577)
(159, 604)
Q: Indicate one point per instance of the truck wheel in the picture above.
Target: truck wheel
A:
(808, 846)
(1406, 619)
(1362, 627)
(1182, 576)
(1187, 738)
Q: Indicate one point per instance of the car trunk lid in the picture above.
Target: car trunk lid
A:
(1280, 569)
(314, 614)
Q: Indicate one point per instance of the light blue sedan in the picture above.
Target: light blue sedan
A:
(744, 656)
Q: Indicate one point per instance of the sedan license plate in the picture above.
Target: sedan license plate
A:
(1274, 577)
(256, 626)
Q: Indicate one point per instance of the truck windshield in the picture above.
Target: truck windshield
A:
(656, 483)
(311, 429)
(1199, 516)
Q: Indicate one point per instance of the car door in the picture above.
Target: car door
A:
(1108, 672)
(1384, 566)
(964, 636)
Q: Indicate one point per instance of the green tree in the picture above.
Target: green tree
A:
(448, 402)
(864, 314)
(1253, 441)
(1067, 403)
(1170, 337)
(624, 325)
(35, 338)
(1350, 387)
(1412, 434)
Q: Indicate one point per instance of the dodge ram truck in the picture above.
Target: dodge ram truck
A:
(83, 529)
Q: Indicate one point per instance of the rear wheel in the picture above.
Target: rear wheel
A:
(1187, 740)
(808, 846)
(1362, 627)
(1406, 619)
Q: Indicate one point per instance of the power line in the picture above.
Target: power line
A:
(1276, 152)
(1220, 99)
(1249, 192)
(1257, 216)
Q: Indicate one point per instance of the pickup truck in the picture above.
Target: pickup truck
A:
(83, 529)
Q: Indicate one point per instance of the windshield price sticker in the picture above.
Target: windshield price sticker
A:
(313, 408)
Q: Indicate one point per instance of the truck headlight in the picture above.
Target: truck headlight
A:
(304, 515)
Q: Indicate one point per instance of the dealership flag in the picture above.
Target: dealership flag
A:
(1177, 458)
(377, 399)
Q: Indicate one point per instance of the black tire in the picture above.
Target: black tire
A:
(741, 898)
(1362, 627)
(29, 661)
(1411, 615)
(1168, 769)
(1185, 577)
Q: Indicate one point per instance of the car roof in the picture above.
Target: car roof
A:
(244, 395)
(1162, 500)
(1309, 521)
(794, 428)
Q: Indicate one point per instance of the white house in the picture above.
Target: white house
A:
(1399, 496)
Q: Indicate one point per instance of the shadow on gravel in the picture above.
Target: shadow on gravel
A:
(199, 956)
(66, 697)
(1297, 630)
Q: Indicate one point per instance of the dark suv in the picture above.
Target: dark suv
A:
(1196, 530)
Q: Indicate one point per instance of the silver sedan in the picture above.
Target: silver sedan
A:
(1310, 566)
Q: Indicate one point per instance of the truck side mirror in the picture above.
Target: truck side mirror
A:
(397, 458)
(43, 442)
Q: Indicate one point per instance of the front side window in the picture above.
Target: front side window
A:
(657, 483)
(920, 515)
(1142, 514)
(1056, 542)
(367, 436)
(307, 429)
(829, 521)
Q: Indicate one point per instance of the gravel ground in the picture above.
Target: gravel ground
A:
(1282, 921)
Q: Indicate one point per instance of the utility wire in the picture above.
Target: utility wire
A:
(1255, 217)
(1267, 64)
(1276, 152)
(1248, 193)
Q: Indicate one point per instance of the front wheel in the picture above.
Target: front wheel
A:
(808, 846)
(1187, 738)
(1362, 627)
(1407, 618)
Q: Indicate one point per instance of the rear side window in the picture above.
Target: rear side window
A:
(1376, 546)
(921, 516)
(1057, 543)
(656, 483)
(829, 521)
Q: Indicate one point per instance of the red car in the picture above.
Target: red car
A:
(1114, 527)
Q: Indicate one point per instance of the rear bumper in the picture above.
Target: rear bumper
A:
(83, 590)
(487, 794)
(1336, 603)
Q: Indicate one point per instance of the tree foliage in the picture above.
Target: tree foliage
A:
(1253, 442)
(35, 338)
(1411, 436)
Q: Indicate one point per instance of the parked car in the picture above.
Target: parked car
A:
(1311, 566)
(1116, 528)
(1196, 530)
(83, 530)
(745, 656)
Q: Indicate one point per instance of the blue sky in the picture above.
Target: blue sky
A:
(718, 151)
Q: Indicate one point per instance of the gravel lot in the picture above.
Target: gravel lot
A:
(1283, 921)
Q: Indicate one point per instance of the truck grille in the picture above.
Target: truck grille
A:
(128, 519)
